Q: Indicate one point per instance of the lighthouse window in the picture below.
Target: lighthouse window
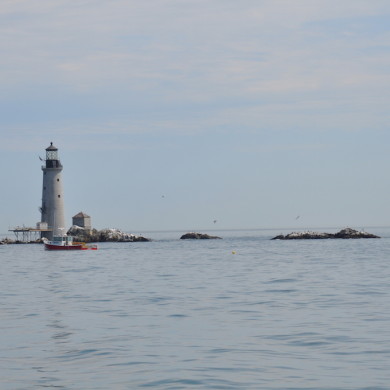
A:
(58, 179)
(59, 196)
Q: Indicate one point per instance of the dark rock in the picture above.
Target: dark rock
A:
(344, 233)
(198, 236)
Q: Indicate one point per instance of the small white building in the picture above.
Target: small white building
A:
(83, 220)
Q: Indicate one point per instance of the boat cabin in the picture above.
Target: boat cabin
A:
(62, 240)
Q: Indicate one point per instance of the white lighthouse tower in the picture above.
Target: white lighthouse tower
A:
(52, 210)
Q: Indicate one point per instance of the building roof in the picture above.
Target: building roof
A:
(51, 147)
(81, 215)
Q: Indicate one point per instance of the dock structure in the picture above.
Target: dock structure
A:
(28, 234)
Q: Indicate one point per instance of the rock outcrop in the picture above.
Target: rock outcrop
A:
(344, 234)
(7, 240)
(105, 235)
(198, 236)
(352, 233)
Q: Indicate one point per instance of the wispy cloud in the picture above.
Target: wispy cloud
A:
(172, 64)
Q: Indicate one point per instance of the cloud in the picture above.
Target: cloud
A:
(256, 94)
(173, 65)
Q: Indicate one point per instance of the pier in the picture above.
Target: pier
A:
(28, 234)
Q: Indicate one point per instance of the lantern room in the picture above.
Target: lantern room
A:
(52, 160)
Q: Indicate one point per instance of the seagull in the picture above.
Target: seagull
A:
(215, 221)
(297, 217)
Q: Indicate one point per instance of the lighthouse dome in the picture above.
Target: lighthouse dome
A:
(51, 147)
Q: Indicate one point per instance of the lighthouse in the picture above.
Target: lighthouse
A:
(52, 210)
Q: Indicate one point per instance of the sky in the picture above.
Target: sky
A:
(173, 114)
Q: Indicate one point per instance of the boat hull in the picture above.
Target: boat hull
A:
(52, 247)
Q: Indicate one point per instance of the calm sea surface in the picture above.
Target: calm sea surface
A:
(243, 312)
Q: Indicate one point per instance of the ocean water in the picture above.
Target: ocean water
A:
(243, 312)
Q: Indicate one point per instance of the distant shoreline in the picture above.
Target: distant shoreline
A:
(7, 238)
(292, 228)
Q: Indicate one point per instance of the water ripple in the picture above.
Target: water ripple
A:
(174, 315)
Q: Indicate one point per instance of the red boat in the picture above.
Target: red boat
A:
(63, 243)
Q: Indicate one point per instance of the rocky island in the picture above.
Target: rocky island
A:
(6, 241)
(344, 234)
(106, 235)
(81, 235)
(198, 236)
